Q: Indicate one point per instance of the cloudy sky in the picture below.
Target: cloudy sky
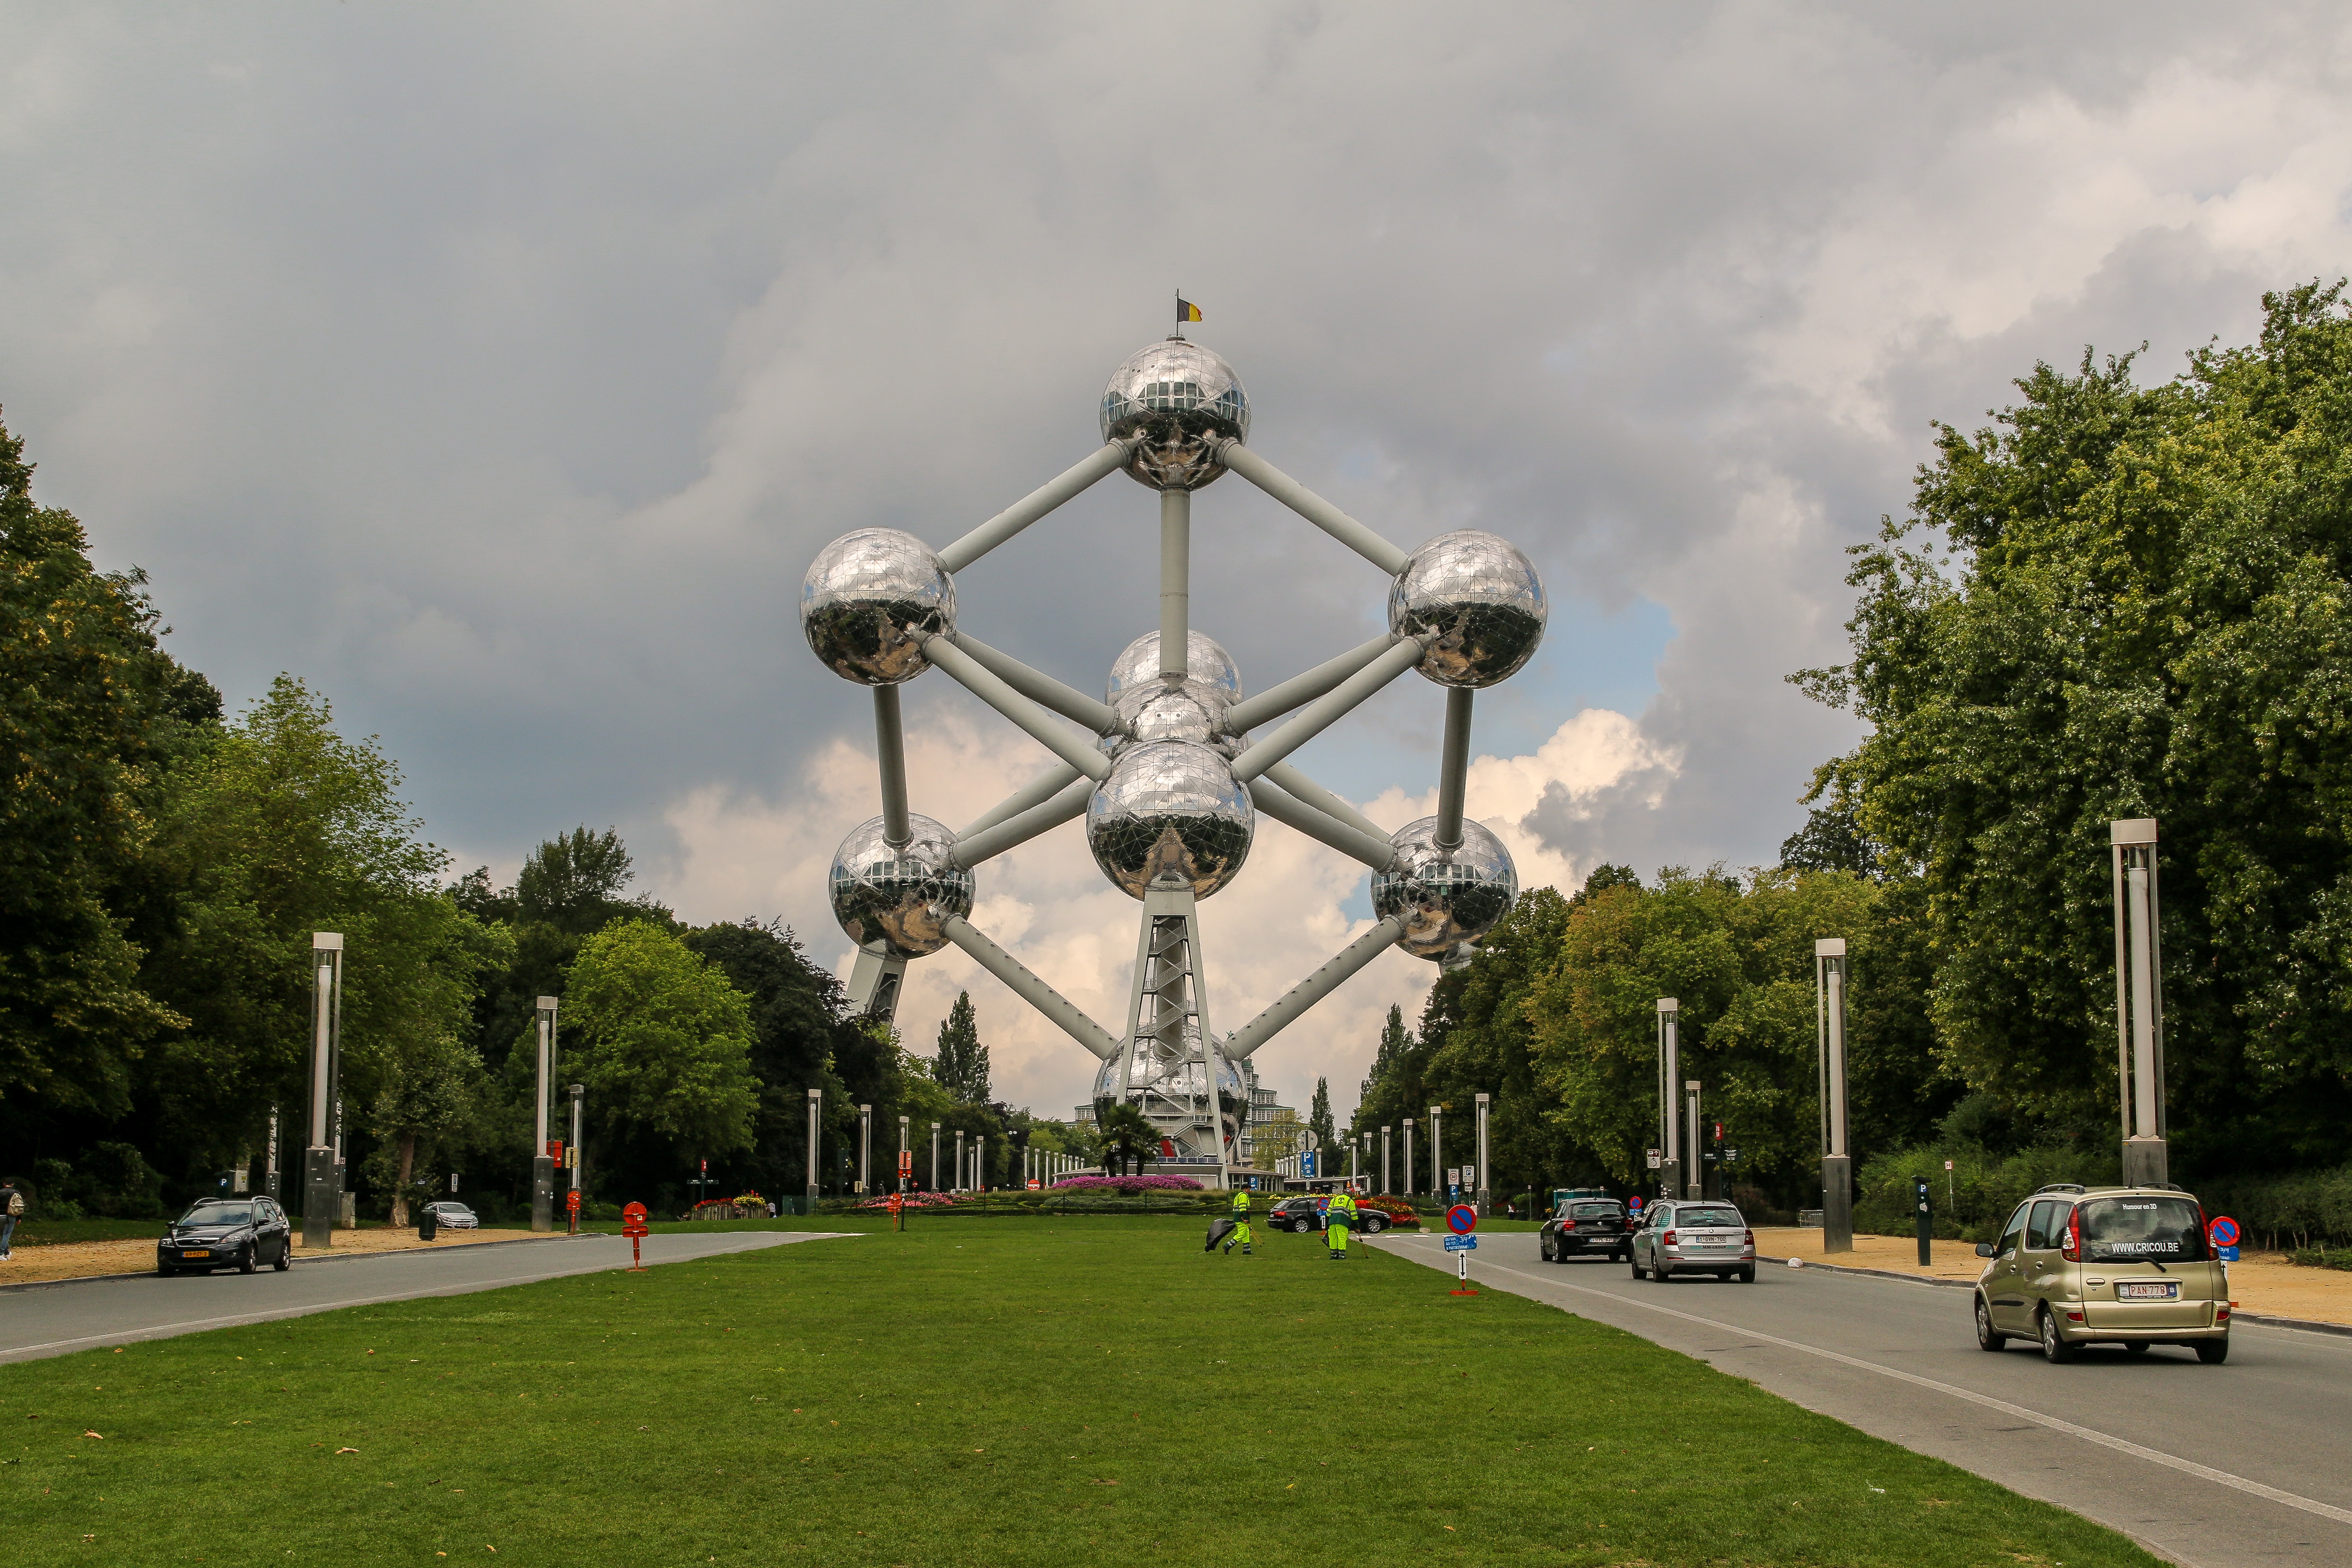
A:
(497, 370)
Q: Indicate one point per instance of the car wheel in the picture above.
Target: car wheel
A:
(1635, 1259)
(1748, 1275)
(285, 1259)
(2212, 1353)
(1988, 1337)
(2054, 1348)
(1661, 1271)
(163, 1273)
(249, 1259)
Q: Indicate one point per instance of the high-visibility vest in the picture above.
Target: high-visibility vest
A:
(1343, 1210)
(1240, 1203)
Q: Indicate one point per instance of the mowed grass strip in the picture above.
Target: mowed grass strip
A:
(1012, 1392)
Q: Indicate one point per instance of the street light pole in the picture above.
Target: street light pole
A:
(543, 1164)
(864, 1143)
(1408, 1156)
(959, 1158)
(815, 1101)
(572, 1154)
(1694, 1185)
(1437, 1153)
(1829, 978)
(1670, 1162)
(1385, 1131)
(320, 1199)
(2139, 1003)
(902, 1153)
(935, 1156)
(1485, 1177)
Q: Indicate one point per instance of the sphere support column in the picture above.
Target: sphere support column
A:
(1175, 582)
(1170, 1066)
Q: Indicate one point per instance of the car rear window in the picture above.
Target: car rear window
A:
(1707, 1216)
(2131, 1230)
(1595, 1211)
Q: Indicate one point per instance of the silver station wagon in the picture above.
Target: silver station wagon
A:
(1694, 1237)
(2129, 1266)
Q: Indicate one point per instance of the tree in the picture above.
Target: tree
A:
(1278, 1137)
(962, 1065)
(426, 1098)
(1318, 1120)
(1125, 1135)
(2139, 608)
(666, 1040)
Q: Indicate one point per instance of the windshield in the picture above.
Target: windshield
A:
(2134, 1230)
(1707, 1216)
(219, 1213)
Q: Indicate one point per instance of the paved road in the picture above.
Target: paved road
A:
(53, 1319)
(2215, 1467)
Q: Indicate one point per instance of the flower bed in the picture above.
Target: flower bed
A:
(1130, 1185)
(1399, 1210)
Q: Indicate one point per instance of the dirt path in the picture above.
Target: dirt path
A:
(80, 1260)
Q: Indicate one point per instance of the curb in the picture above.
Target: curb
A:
(343, 1257)
(2267, 1321)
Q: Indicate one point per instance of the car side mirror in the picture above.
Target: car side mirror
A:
(1984, 1249)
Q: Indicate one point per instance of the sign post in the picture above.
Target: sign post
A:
(1923, 1215)
(1462, 1219)
(632, 1226)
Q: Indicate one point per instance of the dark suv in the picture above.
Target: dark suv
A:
(1586, 1227)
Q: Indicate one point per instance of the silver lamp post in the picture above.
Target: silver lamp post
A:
(815, 1101)
(543, 1164)
(1437, 1152)
(1694, 1187)
(1486, 1198)
(1385, 1133)
(980, 1161)
(572, 1152)
(865, 1148)
(1831, 975)
(1408, 1156)
(935, 1156)
(271, 1179)
(902, 1152)
(320, 1198)
(2140, 1002)
(959, 1161)
(1670, 1166)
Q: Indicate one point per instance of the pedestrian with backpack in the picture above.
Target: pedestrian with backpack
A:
(11, 1209)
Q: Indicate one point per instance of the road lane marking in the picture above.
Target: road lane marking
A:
(2088, 1434)
(272, 1314)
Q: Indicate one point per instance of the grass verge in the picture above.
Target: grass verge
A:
(1029, 1391)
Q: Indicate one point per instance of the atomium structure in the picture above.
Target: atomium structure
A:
(1173, 766)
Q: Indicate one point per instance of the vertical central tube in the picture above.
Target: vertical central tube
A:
(320, 1069)
(891, 747)
(1674, 1073)
(2143, 1000)
(1837, 1057)
(1455, 770)
(1695, 1180)
(1175, 582)
(540, 1100)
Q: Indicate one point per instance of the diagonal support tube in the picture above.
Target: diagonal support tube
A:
(1326, 710)
(1039, 687)
(1453, 772)
(1277, 700)
(991, 688)
(1314, 508)
(1377, 853)
(1314, 988)
(1323, 800)
(1070, 802)
(1107, 459)
(891, 749)
(1036, 792)
(1058, 1008)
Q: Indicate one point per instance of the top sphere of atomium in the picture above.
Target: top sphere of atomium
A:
(869, 599)
(892, 901)
(1170, 815)
(1181, 400)
(1445, 895)
(1481, 597)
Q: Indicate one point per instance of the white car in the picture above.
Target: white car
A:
(1694, 1237)
(452, 1216)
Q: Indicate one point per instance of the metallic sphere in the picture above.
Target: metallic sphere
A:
(1177, 710)
(1180, 1078)
(868, 599)
(1445, 897)
(1179, 397)
(892, 901)
(1482, 599)
(1138, 662)
(1170, 815)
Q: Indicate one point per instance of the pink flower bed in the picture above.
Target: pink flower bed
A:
(1130, 1185)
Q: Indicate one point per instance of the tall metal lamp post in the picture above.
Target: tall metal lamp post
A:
(815, 1103)
(572, 1151)
(1670, 1166)
(904, 1164)
(2140, 1002)
(935, 1156)
(865, 1148)
(1437, 1153)
(1831, 977)
(1485, 1177)
(320, 1200)
(1408, 1156)
(1385, 1133)
(1694, 1185)
(542, 1162)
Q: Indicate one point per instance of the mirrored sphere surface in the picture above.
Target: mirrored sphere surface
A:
(891, 901)
(869, 598)
(1204, 662)
(1179, 397)
(1445, 897)
(1177, 710)
(1170, 815)
(1173, 1077)
(1482, 597)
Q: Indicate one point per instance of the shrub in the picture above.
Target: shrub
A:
(1982, 1191)
(1128, 1185)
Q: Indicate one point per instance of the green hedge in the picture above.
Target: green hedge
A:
(1982, 1189)
(2306, 1210)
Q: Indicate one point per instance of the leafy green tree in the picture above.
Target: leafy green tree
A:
(427, 1098)
(1124, 1135)
(962, 1065)
(2127, 601)
(1319, 1121)
(665, 1039)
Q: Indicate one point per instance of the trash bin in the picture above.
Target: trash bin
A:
(428, 1224)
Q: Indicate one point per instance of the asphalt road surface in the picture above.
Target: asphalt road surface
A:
(75, 1315)
(2216, 1466)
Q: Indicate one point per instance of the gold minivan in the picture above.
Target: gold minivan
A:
(2129, 1266)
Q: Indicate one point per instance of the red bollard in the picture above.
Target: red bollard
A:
(632, 1226)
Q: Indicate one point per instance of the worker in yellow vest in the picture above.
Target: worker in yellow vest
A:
(1241, 1231)
(1339, 1220)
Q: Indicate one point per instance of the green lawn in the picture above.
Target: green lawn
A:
(1054, 1392)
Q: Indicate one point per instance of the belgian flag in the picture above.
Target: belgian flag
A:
(1186, 311)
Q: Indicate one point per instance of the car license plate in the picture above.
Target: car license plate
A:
(2153, 1291)
(198, 1253)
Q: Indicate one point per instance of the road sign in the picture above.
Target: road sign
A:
(906, 1162)
(2223, 1230)
(1461, 1244)
(572, 1200)
(1634, 1202)
(1461, 1219)
(1948, 1164)
(1731, 1153)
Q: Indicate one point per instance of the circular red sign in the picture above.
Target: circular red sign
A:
(1461, 1219)
(2223, 1230)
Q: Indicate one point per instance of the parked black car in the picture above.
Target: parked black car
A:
(226, 1232)
(1586, 1227)
(1305, 1213)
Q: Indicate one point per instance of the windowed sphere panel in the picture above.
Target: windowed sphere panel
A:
(1179, 397)
(892, 901)
(1482, 598)
(1446, 897)
(1177, 710)
(1170, 815)
(869, 598)
(1204, 662)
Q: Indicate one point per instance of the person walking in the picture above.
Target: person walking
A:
(1241, 1231)
(11, 1209)
(1338, 1221)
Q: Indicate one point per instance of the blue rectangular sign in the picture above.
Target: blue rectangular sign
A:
(2229, 1254)
(1461, 1244)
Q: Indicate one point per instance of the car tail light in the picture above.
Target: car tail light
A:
(2220, 1314)
(1670, 1238)
(2073, 1251)
(1567, 1225)
(1748, 1237)
(2074, 1317)
(2205, 1230)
